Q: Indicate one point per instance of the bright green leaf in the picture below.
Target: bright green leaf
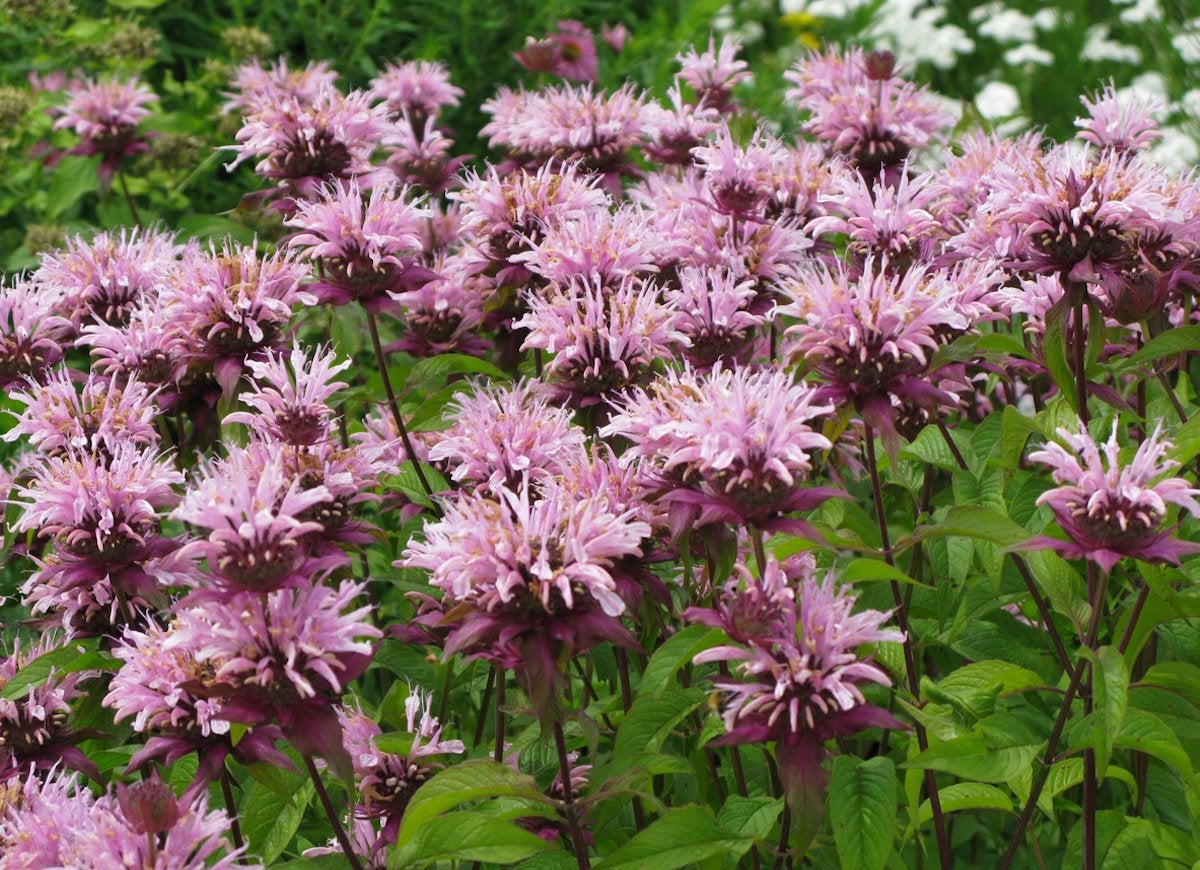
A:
(862, 808)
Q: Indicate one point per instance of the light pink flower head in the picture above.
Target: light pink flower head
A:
(105, 115)
(366, 243)
(739, 178)
(713, 74)
(32, 332)
(94, 419)
(503, 433)
(442, 315)
(1121, 123)
(107, 276)
(714, 313)
(675, 131)
(570, 123)
(303, 145)
(597, 246)
(568, 52)
(233, 305)
(1110, 509)
(603, 339)
(290, 396)
(420, 88)
(257, 88)
(728, 446)
(859, 107)
(256, 515)
(150, 346)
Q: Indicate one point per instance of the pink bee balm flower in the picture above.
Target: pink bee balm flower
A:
(233, 305)
(59, 823)
(386, 780)
(738, 178)
(303, 145)
(95, 419)
(167, 692)
(713, 74)
(109, 275)
(532, 569)
(284, 657)
(676, 131)
(365, 245)
(509, 214)
(501, 434)
(714, 313)
(418, 88)
(34, 726)
(290, 394)
(258, 89)
(871, 338)
(105, 115)
(32, 333)
(569, 123)
(729, 446)
(255, 514)
(442, 316)
(150, 346)
(797, 682)
(1112, 510)
(1121, 123)
(861, 109)
(569, 52)
(603, 339)
(599, 246)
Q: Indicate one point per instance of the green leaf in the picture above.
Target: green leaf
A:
(74, 657)
(270, 820)
(467, 837)
(1182, 339)
(674, 654)
(1180, 677)
(650, 721)
(431, 373)
(929, 446)
(973, 688)
(407, 481)
(1146, 733)
(1015, 429)
(862, 807)
(73, 178)
(751, 816)
(682, 837)
(471, 780)
(967, 796)
(973, 757)
(1054, 350)
(1110, 685)
(973, 521)
(860, 570)
(208, 226)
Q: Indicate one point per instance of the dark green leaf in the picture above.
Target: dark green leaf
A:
(466, 837)
(681, 838)
(862, 807)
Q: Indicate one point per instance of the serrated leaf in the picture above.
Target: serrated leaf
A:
(1180, 677)
(270, 820)
(431, 373)
(973, 521)
(651, 719)
(1054, 350)
(967, 796)
(1015, 429)
(971, 757)
(471, 780)
(1181, 339)
(750, 816)
(860, 570)
(1146, 733)
(676, 652)
(407, 481)
(1110, 685)
(862, 808)
(466, 837)
(682, 837)
(929, 446)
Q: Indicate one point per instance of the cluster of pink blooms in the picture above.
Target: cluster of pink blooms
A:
(701, 328)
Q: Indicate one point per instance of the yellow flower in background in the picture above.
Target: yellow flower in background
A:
(805, 25)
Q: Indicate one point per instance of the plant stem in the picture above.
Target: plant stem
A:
(331, 814)
(1023, 569)
(1079, 356)
(910, 662)
(484, 705)
(498, 748)
(564, 769)
(235, 829)
(760, 552)
(133, 210)
(381, 362)
(1064, 712)
(785, 831)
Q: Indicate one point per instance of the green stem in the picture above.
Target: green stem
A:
(564, 768)
(331, 814)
